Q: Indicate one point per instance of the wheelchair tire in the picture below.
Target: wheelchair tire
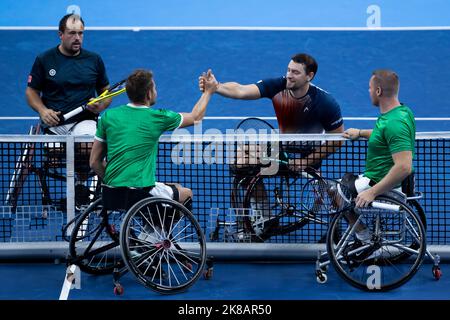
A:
(163, 245)
(370, 266)
(281, 190)
(415, 206)
(93, 240)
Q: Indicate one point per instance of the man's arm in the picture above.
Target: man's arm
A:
(354, 134)
(48, 116)
(232, 90)
(401, 169)
(329, 147)
(102, 84)
(320, 153)
(101, 105)
(199, 110)
(96, 160)
(235, 90)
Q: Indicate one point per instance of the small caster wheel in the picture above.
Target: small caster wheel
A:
(321, 277)
(207, 274)
(118, 290)
(437, 273)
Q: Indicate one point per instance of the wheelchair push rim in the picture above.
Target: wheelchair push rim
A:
(163, 245)
(372, 265)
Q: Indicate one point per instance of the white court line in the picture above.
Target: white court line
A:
(264, 118)
(72, 280)
(229, 28)
(19, 118)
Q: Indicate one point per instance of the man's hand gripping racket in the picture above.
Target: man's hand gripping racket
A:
(113, 91)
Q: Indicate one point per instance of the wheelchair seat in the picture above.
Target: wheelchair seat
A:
(407, 189)
(396, 194)
(409, 185)
(123, 198)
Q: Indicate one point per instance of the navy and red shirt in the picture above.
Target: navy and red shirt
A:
(315, 112)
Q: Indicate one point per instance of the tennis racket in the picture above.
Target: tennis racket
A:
(113, 91)
(260, 126)
(322, 196)
(255, 124)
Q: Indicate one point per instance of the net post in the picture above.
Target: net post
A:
(70, 187)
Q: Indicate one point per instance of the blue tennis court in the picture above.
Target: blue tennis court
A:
(178, 56)
(231, 281)
(248, 56)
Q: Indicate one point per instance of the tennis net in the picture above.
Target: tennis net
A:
(37, 194)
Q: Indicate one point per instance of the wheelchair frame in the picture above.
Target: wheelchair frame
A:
(25, 166)
(296, 213)
(164, 263)
(382, 263)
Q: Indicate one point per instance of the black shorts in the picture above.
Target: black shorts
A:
(123, 198)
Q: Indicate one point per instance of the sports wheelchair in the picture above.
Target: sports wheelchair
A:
(46, 160)
(266, 194)
(160, 242)
(395, 246)
(269, 204)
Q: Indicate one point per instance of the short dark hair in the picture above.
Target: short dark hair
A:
(63, 21)
(309, 62)
(388, 81)
(139, 83)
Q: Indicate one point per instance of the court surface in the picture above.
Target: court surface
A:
(346, 59)
(231, 281)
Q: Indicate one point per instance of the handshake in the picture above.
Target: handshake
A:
(207, 82)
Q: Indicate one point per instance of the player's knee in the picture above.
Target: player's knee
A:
(185, 193)
(181, 194)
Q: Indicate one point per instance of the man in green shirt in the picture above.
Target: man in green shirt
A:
(128, 136)
(391, 143)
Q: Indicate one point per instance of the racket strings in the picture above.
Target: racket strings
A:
(259, 150)
(115, 90)
(255, 124)
(323, 196)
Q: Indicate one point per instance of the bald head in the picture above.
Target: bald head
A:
(387, 81)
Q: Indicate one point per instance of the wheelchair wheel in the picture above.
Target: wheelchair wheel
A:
(239, 184)
(416, 207)
(414, 204)
(238, 191)
(163, 245)
(369, 265)
(93, 240)
(275, 208)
